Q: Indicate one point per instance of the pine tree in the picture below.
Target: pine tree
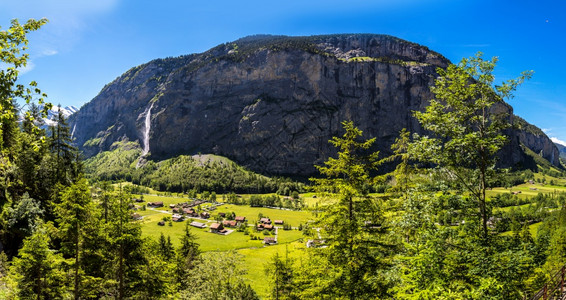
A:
(36, 269)
(67, 162)
(73, 215)
(353, 226)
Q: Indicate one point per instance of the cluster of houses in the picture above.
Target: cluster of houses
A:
(265, 224)
(221, 227)
(187, 210)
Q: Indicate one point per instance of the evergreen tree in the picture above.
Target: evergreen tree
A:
(187, 256)
(125, 248)
(67, 162)
(74, 214)
(353, 227)
(280, 272)
(37, 269)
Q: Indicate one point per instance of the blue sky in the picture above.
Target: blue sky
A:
(87, 44)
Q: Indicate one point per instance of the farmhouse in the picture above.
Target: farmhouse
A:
(190, 212)
(177, 218)
(227, 223)
(155, 204)
(217, 228)
(278, 222)
(264, 226)
(265, 221)
(171, 206)
(240, 219)
(205, 215)
(198, 225)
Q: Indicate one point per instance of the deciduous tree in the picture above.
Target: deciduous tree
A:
(466, 121)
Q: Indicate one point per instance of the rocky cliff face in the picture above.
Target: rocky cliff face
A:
(271, 103)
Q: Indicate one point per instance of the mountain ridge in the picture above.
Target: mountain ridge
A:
(271, 103)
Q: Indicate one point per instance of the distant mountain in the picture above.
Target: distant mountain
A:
(51, 118)
(561, 147)
(271, 103)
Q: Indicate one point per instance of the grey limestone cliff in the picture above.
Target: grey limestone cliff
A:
(271, 103)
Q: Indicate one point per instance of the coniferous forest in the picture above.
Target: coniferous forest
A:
(446, 223)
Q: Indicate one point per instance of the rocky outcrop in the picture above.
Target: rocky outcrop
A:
(536, 140)
(270, 103)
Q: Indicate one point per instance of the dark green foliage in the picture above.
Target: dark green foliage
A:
(187, 257)
(354, 227)
(182, 174)
(37, 269)
(280, 273)
(217, 276)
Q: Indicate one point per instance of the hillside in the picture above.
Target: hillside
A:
(271, 103)
(182, 173)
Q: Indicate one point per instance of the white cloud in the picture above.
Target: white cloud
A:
(557, 141)
(49, 52)
(30, 66)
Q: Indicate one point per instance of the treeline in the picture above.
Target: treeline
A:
(183, 173)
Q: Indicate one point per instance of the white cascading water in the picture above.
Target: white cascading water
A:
(73, 132)
(146, 131)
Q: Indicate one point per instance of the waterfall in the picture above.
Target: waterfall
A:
(147, 127)
(73, 132)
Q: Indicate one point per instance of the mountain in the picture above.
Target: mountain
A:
(51, 118)
(271, 103)
(561, 147)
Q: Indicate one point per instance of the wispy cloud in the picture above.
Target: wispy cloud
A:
(558, 141)
(30, 66)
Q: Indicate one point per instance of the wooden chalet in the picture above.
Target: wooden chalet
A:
(228, 223)
(278, 222)
(240, 219)
(177, 218)
(205, 215)
(190, 212)
(217, 228)
(265, 221)
(155, 204)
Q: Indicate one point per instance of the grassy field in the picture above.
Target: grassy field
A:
(214, 242)
(528, 190)
(533, 228)
(291, 243)
(257, 259)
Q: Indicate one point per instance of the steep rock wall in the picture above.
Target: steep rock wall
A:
(271, 103)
